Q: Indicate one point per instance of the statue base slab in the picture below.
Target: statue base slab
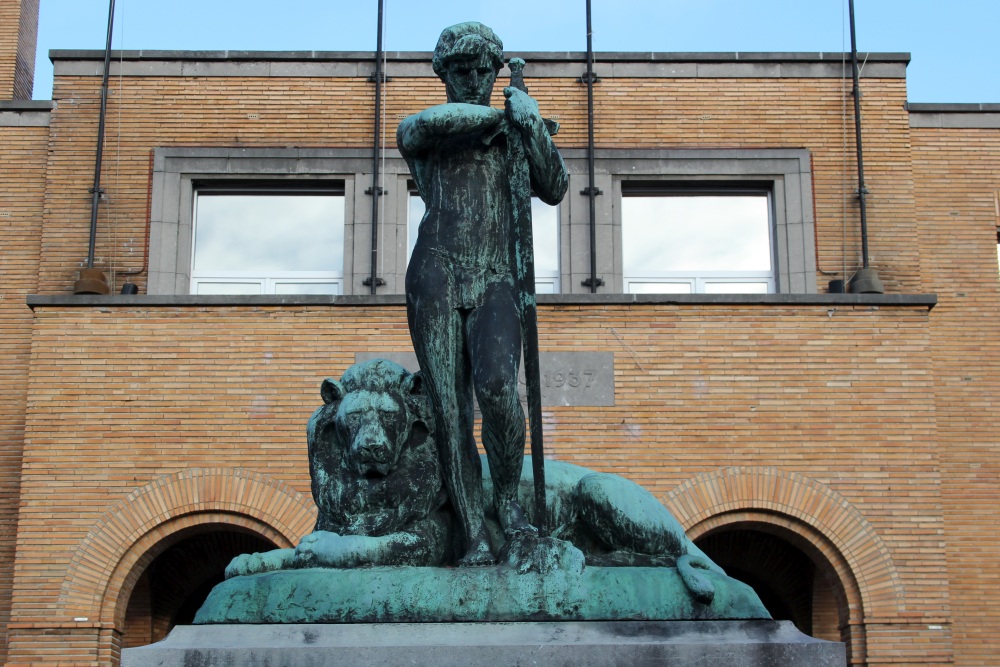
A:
(473, 594)
(688, 643)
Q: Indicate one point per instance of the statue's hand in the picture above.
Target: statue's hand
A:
(522, 109)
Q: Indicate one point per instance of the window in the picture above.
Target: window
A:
(641, 249)
(545, 235)
(268, 239)
(684, 241)
(191, 181)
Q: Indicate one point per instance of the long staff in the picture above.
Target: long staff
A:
(529, 328)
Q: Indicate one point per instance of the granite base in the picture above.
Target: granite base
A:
(580, 644)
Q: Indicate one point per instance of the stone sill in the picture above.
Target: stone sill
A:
(927, 301)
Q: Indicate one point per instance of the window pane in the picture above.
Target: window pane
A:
(415, 213)
(736, 288)
(307, 288)
(267, 233)
(544, 230)
(214, 287)
(696, 233)
(545, 233)
(674, 238)
(634, 287)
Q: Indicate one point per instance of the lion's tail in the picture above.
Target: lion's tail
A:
(700, 587)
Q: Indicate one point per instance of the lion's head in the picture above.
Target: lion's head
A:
(372, 463)
(378, 403)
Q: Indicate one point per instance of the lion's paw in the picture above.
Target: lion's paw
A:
(319, 549)
(269, 561)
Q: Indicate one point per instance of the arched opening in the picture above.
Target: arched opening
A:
(792, 578)
(181, 572)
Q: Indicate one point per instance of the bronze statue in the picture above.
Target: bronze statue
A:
(475, 167)
(396, 476)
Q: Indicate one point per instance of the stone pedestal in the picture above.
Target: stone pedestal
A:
(577, 644)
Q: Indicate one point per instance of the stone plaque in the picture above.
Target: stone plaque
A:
(571, 379)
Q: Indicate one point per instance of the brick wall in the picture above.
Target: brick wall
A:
(157, 390)
(957, 171)
(22, 187)
(18, 40)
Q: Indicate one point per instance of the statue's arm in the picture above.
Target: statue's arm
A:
(548, 172)
(419, 132)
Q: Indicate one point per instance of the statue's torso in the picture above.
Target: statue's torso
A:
(465, 186)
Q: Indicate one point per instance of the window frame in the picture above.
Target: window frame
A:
(268, 281)
(700, 282)
(787, 172)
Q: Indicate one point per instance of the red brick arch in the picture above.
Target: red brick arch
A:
(803, 506)
(106, 559)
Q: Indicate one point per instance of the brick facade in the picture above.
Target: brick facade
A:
(854, 427)
(22, 153)
(958, 169)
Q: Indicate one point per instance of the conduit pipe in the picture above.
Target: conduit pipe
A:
(93, 281)
(373, 281)
(865, 280)
(591, 191)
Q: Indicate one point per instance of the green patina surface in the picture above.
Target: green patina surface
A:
(470, 281)
(421, 594)
(396, 475)
(384, 541)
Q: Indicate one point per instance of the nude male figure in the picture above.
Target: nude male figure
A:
(462, 293)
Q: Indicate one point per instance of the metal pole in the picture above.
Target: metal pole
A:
(96, 189)
(862, 191)
(376, 191)
(592, 190)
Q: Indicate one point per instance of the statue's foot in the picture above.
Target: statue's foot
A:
(512, 520)
(531, 553)
(269, 561)
(479, 553)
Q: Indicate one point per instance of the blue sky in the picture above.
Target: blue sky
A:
(954, 58)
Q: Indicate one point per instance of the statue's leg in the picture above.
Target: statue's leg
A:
(437, 331)
(494, 333)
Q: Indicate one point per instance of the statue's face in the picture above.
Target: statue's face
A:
(470, 80)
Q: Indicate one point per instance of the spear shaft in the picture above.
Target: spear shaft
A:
(529, 329)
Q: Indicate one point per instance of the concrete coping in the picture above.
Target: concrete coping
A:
(418, 56)
(927, 301)
(417, 64)
(960, 116)
(914, 107)
(26, 113)
(27, 105)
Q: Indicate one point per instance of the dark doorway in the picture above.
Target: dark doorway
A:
(172, 589)
(787, 581)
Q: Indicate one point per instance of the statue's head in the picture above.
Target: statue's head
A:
(468, 57)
